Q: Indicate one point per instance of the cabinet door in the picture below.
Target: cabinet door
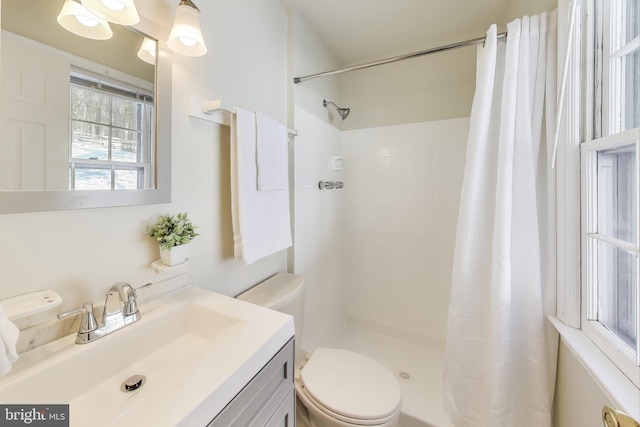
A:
(258, 400)
(285, 415)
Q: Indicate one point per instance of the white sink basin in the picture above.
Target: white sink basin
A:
(196, 348)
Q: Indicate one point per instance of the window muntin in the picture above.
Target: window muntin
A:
(617, 283)
(617, 193)
(111, 137)
(612, 241)
(621, 58)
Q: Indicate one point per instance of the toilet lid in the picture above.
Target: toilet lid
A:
(351, 384)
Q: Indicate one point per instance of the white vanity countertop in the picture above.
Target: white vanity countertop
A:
(197, 349)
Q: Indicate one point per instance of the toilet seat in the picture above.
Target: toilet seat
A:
(350, 387)
(335, 416)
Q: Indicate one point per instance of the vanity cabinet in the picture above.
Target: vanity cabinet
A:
(268, 400)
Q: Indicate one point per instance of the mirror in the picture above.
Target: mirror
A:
(84, 123)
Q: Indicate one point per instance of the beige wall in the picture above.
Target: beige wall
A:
(579, 399)
(433, 87)
(81, 253)
(308, 55)
(519, 8)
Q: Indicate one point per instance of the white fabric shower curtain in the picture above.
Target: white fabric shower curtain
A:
(501, 351)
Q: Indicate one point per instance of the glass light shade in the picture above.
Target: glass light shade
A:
(185, 37)
(76, 18)
(147, 51)
(121, 12)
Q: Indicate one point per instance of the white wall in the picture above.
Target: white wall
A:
(402, 193)
(317, 225)
(81, 253)
(318, 250)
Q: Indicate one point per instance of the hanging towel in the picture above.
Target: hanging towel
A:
(8, 337)
(260, 219)
(271, 143)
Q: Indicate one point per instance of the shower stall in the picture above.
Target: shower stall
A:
(377, 254)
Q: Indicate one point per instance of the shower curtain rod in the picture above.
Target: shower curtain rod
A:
(472, 42)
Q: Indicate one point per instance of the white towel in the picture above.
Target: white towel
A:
(8, 338)
(261, 224)
(271, 142)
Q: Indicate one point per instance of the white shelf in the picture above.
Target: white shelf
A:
(159, 267)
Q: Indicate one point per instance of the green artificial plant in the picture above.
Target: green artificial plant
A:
(173, 230)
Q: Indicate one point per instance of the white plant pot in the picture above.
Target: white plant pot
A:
(174, 256)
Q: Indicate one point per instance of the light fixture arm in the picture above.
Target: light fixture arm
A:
(189, 3)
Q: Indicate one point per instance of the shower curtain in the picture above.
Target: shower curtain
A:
(501, 351)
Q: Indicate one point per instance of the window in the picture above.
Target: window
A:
(111, 136)
(610, 182)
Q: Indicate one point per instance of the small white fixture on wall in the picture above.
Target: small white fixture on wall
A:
(337, 163)
(30, 309)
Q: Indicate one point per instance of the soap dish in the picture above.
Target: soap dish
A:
(30, 304)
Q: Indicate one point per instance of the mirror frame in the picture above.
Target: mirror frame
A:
(39, 201)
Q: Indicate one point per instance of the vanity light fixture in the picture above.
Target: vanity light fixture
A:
(121, 12)
(76, 18)
(186, 37)
(147, 51)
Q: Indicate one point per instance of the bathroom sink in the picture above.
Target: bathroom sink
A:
(196, 348)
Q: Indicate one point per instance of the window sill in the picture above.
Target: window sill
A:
(614, 384)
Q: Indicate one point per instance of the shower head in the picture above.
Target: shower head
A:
(343, 112)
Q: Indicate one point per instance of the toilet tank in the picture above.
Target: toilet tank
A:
(282, 292)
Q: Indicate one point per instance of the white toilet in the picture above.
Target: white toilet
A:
(338, 388)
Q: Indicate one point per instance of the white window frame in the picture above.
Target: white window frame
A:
(618, 387)
(609, 343)
(113, 166)
(597, 136)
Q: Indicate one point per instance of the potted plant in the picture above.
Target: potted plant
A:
(173, 232)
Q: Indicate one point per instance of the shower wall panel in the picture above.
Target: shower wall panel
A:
(401, 199)
(318, 254)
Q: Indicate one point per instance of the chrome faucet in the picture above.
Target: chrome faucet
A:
(120, 310)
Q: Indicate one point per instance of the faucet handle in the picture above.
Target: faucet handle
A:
(146, 285)
(131, 304)
(88, 322)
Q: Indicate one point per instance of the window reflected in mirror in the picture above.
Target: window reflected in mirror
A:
(111, 135)
(77, 114)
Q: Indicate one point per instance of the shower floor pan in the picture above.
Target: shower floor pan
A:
(418, 366)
